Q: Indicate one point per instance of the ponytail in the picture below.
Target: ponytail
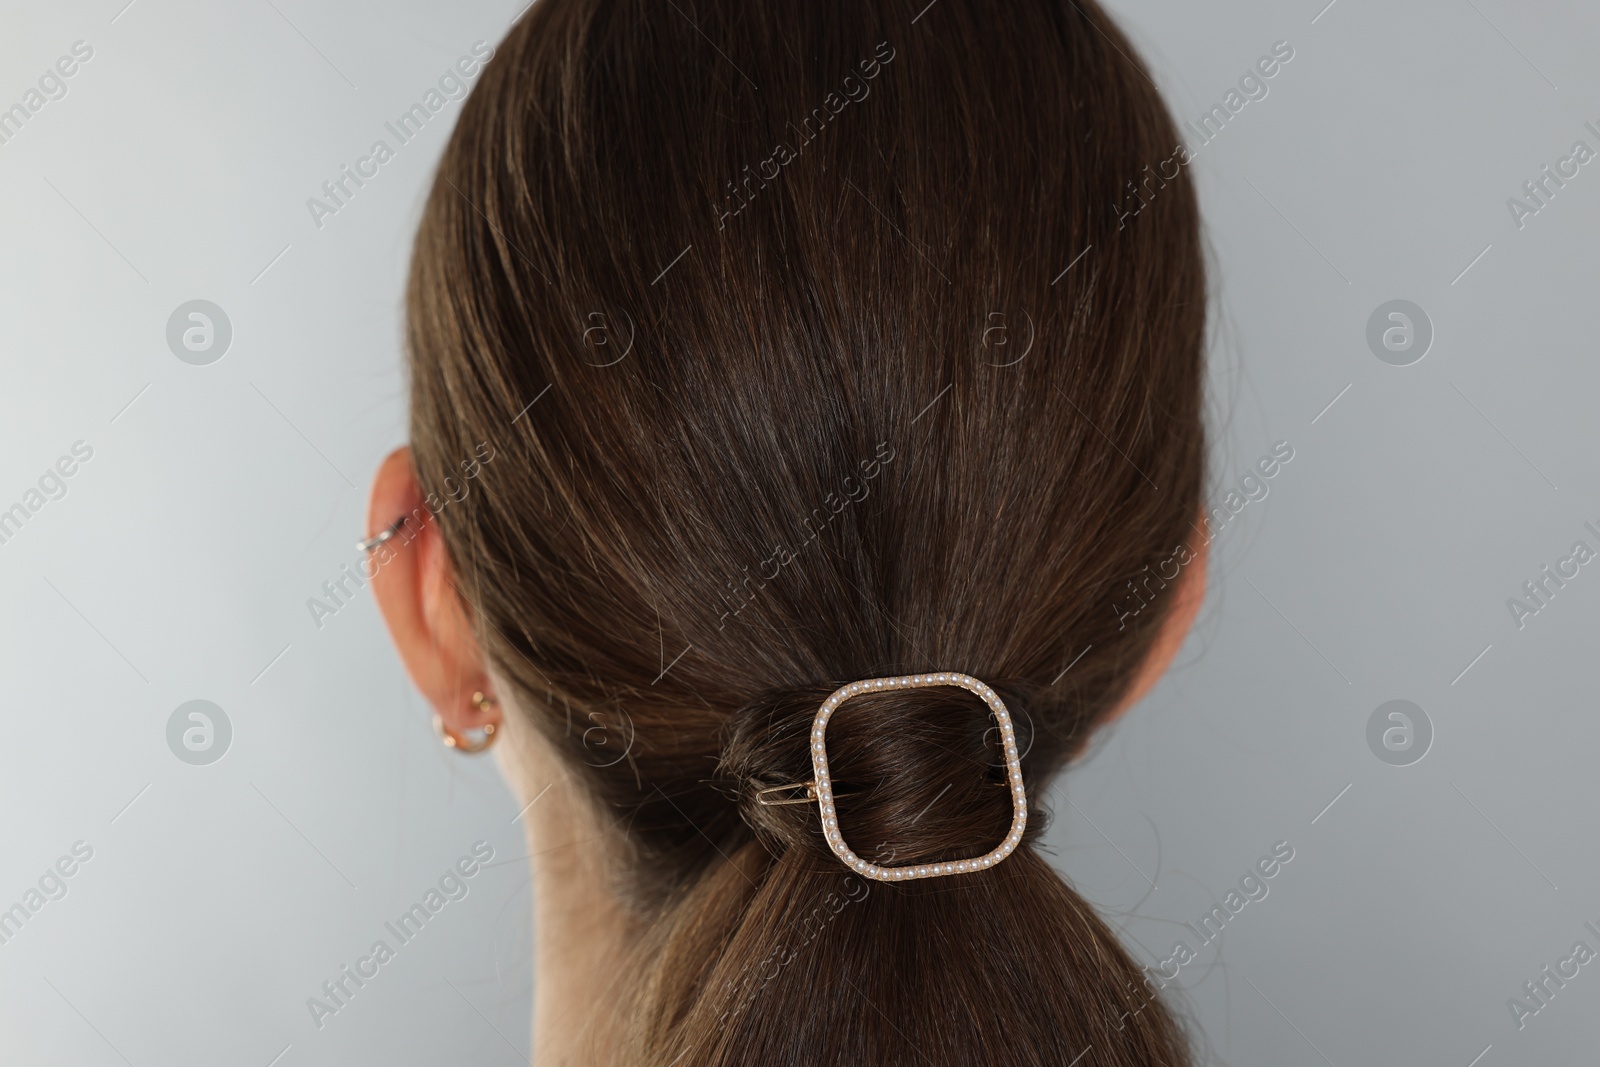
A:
(784, 956)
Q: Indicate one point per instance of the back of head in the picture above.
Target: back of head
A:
(845, 359)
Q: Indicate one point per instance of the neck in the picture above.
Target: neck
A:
(581, 930)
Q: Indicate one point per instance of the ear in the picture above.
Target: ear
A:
(1188, 591)
(416, 590)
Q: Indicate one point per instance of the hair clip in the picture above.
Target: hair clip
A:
(382, 535)
(820, 790)
(810, 794)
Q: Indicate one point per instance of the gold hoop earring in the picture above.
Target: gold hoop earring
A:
(454, 740)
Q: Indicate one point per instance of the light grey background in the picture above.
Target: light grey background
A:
(220, 497)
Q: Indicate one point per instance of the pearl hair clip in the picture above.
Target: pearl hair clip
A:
(821, 791)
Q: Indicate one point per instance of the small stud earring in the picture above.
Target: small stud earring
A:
(454, 740)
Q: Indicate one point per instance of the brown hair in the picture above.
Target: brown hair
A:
(820, 345)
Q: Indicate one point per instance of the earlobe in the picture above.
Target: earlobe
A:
(414, 584)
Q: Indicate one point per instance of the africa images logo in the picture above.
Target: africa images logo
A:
(453, 885)
(1542, 588)
(339, 190)
(52, 886)
(1252, 888)
(52, 86)
(52, 485)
